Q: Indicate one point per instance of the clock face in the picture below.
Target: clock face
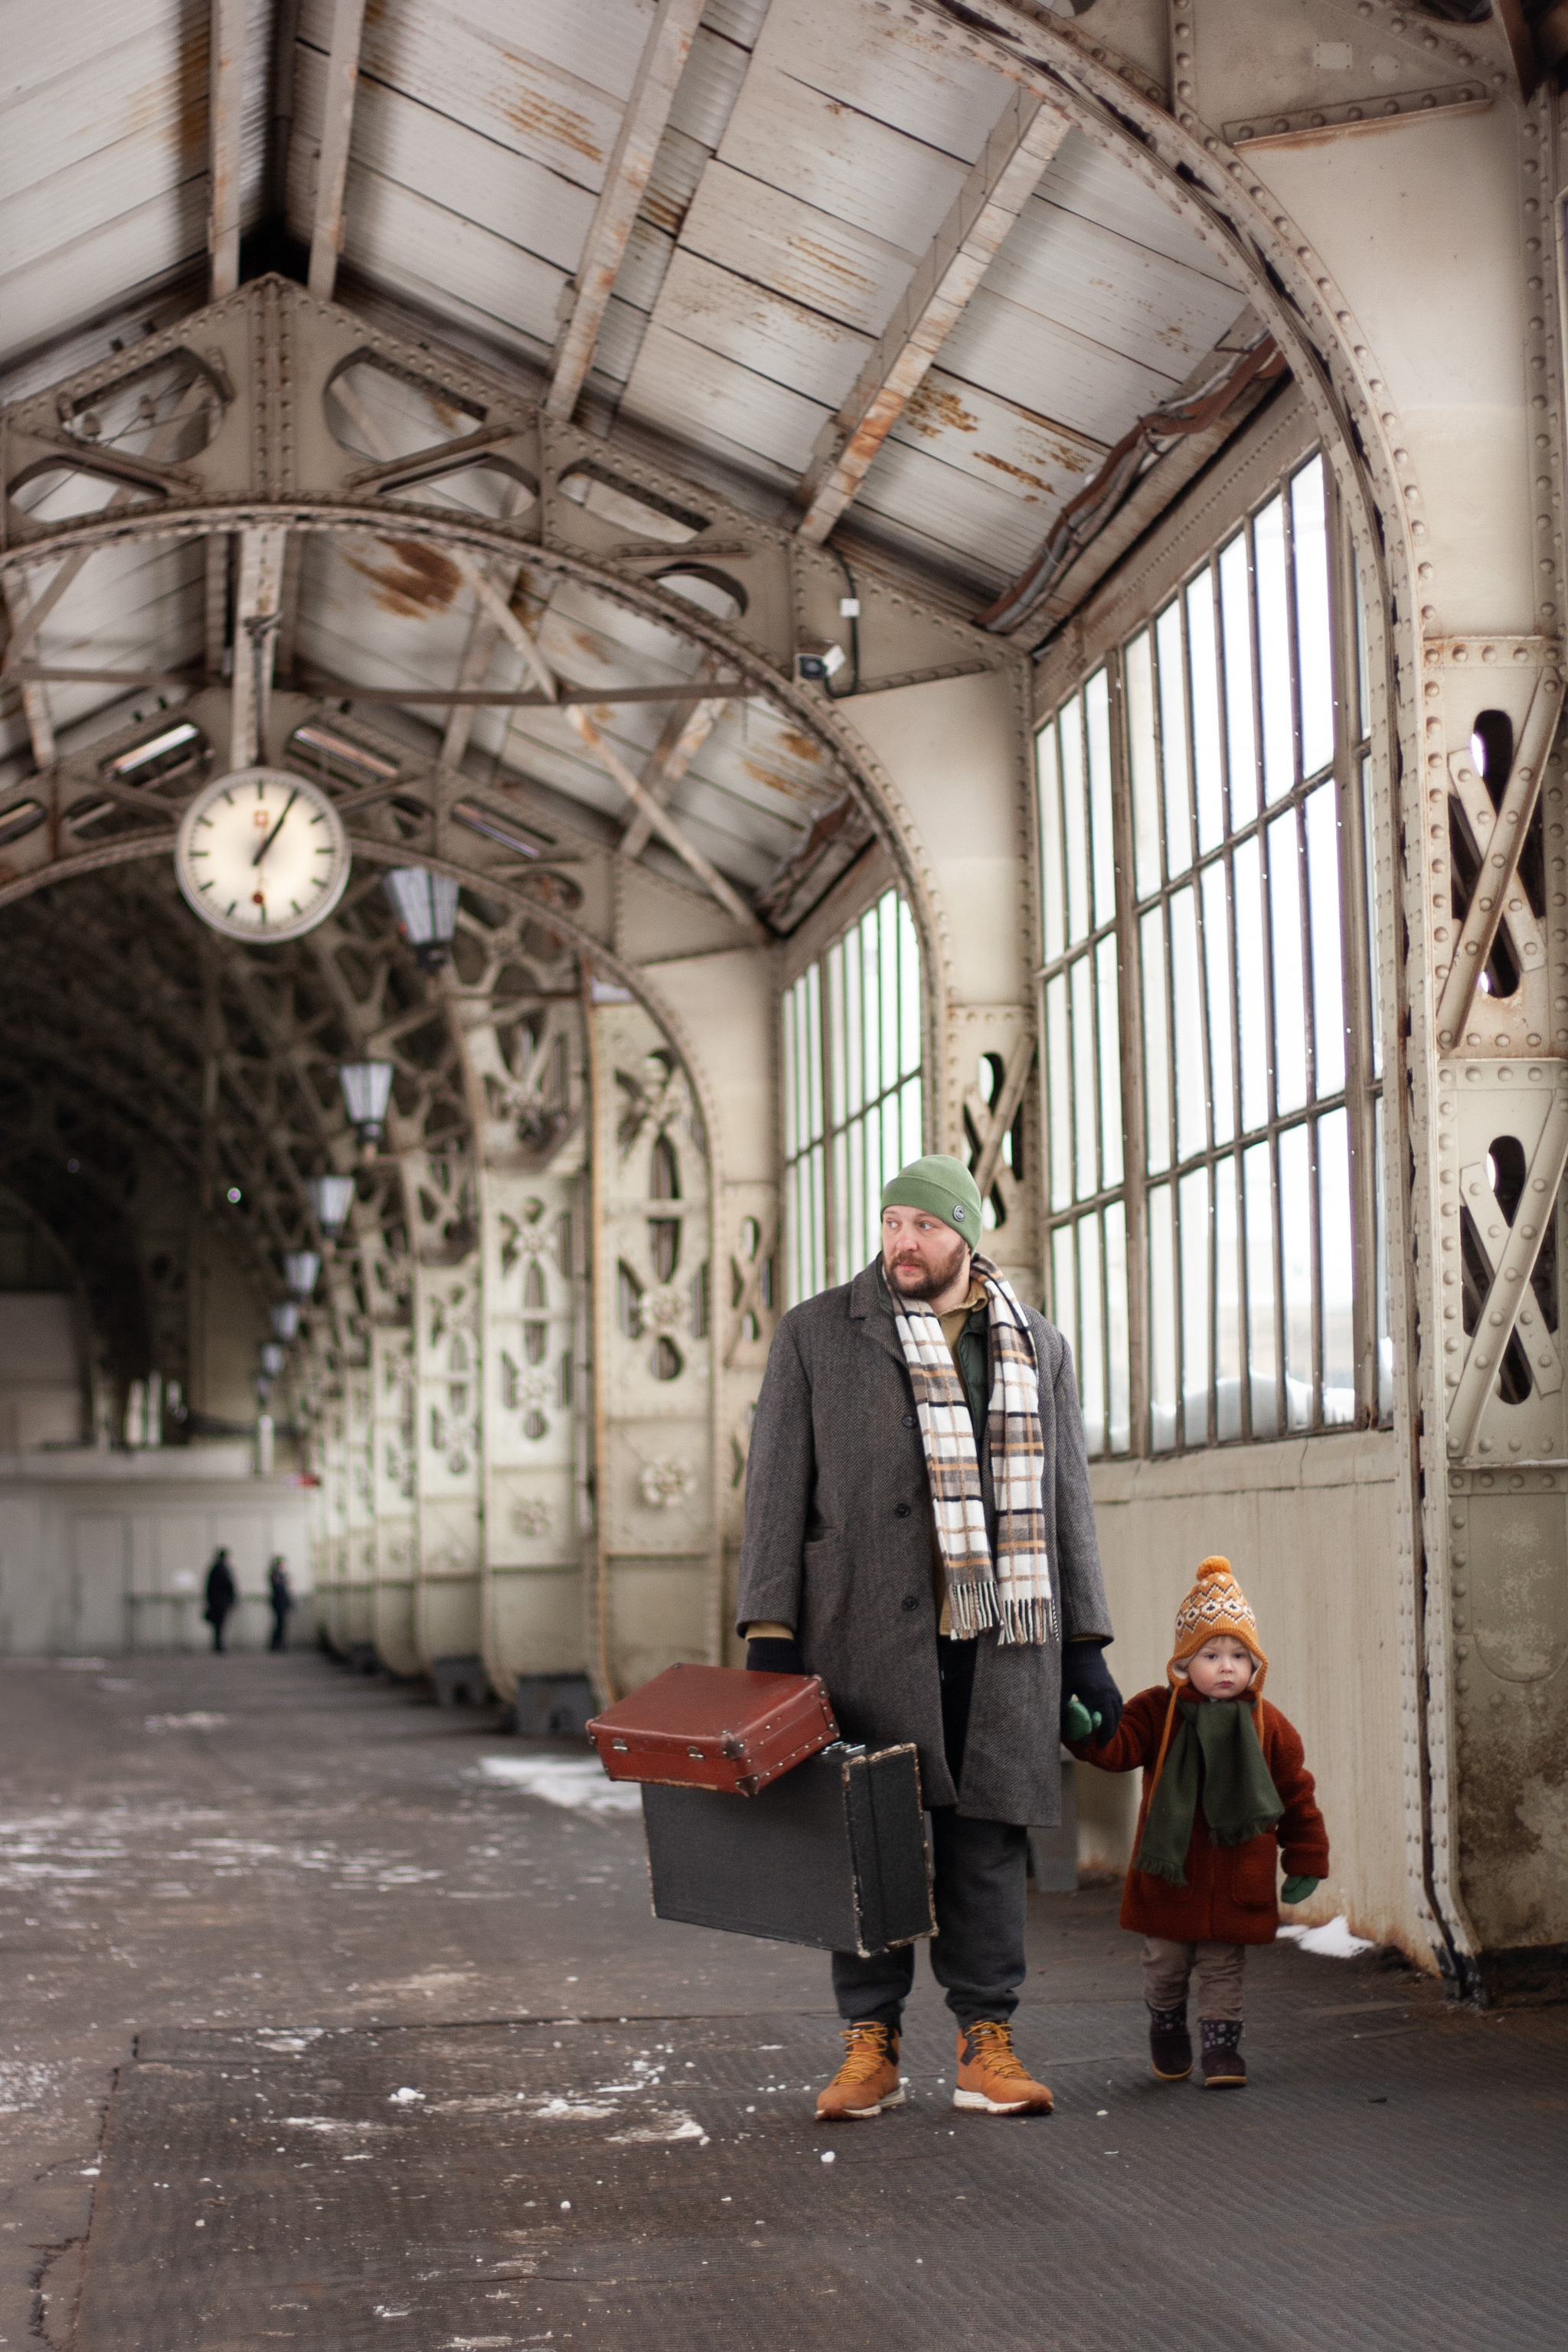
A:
(262, 855)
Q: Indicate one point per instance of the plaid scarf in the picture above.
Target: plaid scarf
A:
(1013, 1593)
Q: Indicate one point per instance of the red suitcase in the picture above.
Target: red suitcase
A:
(714, 1727)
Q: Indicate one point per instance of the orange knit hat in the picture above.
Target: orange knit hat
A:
(1217, 1604)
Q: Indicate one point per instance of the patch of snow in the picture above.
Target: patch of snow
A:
(330, 2124)
(1334, 1942)
(586, 2111)
(562, 1781)
(405, 2097)
(676, 2124)
(197, 1722)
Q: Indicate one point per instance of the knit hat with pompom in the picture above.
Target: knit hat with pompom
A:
(1217, 1604)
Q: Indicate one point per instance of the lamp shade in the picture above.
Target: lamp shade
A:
(366, 1086)
(425, 905)
(301, 1268)
(332, 1197)
(272, 1359)
(285, 1319)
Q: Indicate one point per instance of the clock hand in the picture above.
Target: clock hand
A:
(277, 829)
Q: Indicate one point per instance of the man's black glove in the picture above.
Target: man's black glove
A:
(769, 1654)
(1086, 1677)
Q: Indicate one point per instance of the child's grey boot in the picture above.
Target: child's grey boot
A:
(1170, 2044)
(1223, 2067)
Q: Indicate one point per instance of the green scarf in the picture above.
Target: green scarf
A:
(1215, 1753)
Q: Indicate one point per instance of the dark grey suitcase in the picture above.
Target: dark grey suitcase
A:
(832, 1855)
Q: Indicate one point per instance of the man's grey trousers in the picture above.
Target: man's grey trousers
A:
(980, 1872)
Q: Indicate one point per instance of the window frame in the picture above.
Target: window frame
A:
(1187, 553)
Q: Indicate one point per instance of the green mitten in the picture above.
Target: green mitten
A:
(1296, 1890)
(1077, 1722)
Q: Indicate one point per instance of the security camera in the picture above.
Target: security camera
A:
(816, 664)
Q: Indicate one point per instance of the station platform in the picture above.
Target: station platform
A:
(327, 2026)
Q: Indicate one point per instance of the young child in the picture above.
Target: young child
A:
(1225, 1789)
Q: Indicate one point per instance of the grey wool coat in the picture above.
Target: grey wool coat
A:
(837, 1543)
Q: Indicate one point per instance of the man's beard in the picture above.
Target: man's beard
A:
(928, 1284)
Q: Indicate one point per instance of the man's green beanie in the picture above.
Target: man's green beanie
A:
(941, 1187)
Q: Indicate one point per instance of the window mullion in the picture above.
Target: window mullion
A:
(1355, 956)
(1129, 1000)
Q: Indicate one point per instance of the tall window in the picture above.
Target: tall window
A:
(1203, 1137)
(852, 1105)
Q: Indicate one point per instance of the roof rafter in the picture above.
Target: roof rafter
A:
(225, 80)
(1021, 145)
(643, 125)
(337, 129)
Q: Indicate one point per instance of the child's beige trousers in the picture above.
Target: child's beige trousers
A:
(1167, 1965)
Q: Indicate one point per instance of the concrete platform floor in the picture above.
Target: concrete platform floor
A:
(247, 1905)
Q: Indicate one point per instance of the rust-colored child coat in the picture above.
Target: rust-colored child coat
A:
(1230, 1894)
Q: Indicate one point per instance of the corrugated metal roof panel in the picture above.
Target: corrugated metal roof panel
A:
(888, 70)
(805, 255)
(842, 163)
(689, 392)
(759, 329)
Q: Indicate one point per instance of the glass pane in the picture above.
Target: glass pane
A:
(1161, 1321)
(844, 1265)
(844, 1046)
(1059, 1091)
(1083, 1078)
(833, 966)
(1192, 1234)
(1091, 1345)
(1187, 1020)
(912, 1143)
(1323, 911)
(1110, 1063)
(793, 1122)
(1053, 936)
(1119, 1352)
(1216, 973)
(1097, 717)
(816, 1269)
(1143, 761)
(1204, 662)
(1156, 1042)
(1075, 822)
(1289, 988)
(1228, 1345)
(1173, 740)
(909, 992)
(1374, 955)
(1314, 668)
(1385, 1334)
(871, 1004)
(1064, 1286)
(1334, 1262)
(1252, 1003)
(1240, 706)
(1274, 650)
(1262, 1319)
(887, 965)
(1295, 1264)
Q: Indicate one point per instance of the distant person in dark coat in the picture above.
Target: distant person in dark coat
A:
(282, 1600)
(221, 1594)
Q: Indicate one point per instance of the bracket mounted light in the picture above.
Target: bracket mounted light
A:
(285, 1319)
(301, 1268)
(273, 1358)
(425, 905)
(367, 1086)
(332, 1197)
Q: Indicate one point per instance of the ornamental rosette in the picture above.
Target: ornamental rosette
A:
(663, 1484)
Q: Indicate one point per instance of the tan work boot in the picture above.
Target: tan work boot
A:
(992, 2076)
(869, 2079)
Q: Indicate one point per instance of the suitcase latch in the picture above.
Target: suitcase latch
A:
(621, 1747)
(697, 1752)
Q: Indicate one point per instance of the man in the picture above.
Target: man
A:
(920, 1533)
(281, 1595)
(221, 1595)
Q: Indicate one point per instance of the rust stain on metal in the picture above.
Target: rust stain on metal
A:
(1019, 473)
(537, 116)
(803, 746)
(774, 780)
(832, 264)
(420, 581)
(933, 410)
